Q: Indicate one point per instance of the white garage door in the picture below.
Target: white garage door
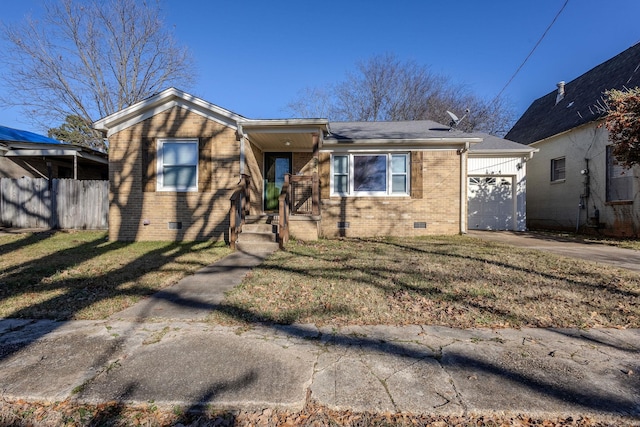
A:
(491, 204)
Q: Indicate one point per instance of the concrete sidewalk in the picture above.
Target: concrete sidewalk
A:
(161, 351)
(422, 370)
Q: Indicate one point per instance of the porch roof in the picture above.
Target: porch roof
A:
(284, 134)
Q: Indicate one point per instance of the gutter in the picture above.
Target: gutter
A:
(399, 141)
(499, 153)
(463, 188)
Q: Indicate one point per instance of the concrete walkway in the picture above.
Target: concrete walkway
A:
(196, 296)
(623, 258)
(161, 351)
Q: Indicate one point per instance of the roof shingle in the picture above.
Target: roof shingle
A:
(582, 102)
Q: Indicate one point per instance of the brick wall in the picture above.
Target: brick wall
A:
(138, 212)
(436, 203)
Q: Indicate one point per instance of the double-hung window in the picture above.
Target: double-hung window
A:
(379, 174)
(177, 165)
(557, 169)
(619, 179)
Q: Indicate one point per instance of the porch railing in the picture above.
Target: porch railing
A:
(284, 211)
(239, 209)
(300, 195)
(305, 194)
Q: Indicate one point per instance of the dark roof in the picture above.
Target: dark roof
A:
(491, 142)
(16, 135)
(418, 130)
(582, 100)
(408, 130)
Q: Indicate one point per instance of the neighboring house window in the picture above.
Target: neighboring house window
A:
(370, 174)
(557, 169)
(619, 179)
(177, 165)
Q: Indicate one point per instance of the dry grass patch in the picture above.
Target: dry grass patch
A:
(81, 275)
(453, 281)
(54, 414)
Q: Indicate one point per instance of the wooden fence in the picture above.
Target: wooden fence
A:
(59, 203)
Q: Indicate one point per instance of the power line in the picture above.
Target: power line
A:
(532, 50)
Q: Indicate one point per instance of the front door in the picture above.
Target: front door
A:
(276, 166)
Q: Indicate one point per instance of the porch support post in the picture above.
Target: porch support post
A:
(315, 194)
(75, 165)
(316, 149)
(315, 183)
(463, 188)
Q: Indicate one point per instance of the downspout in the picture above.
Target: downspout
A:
(240, 134)
(463, 187)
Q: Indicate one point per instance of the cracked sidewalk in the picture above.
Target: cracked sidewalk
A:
(412, 369)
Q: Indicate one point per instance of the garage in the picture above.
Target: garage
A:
(491, 203)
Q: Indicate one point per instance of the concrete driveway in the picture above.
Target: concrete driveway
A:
(623, 258)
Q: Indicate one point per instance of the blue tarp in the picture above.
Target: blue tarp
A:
(17, 135)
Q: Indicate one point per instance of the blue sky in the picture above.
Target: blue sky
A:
(254, 56)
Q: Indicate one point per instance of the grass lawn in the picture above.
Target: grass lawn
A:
(81, 275)
(455, 281)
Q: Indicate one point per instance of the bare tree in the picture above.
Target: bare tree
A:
(384, 88)
(313, 102)
(90, 59)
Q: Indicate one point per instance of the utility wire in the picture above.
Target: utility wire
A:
(531, 53)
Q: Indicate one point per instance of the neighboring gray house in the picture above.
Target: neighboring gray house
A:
(574, 181)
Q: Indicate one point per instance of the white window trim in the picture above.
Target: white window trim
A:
(552, 177)
(160, 165)
(389, 178)
(333, 174)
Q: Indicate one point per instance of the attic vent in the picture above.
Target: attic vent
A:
(560, 95)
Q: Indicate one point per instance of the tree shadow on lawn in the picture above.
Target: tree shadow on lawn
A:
(546, 275)
(72, 295)
(593, 399)
(416, 280)
(25, 240)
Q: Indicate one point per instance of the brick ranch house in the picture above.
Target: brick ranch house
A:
(182, 168)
